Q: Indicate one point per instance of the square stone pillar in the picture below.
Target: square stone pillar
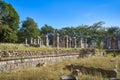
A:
(56, 40)
(93, 44)
(85, 43)
(70, 41)
(34, 42)
(119, 44)
(26, 41)
(81, 43)
(66, 41)
(31, 41)
(40, 42)
(74, 42)
(46, 41)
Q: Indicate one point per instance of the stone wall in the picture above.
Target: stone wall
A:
(39, 53)
(109, 73)
(18, 63)
(28, 53)
(10, 60)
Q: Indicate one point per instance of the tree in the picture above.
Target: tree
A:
(29, 29)
(48, 30)
(101, 35)
(9, 22)
(70, 31)
(112, 32)
(94, 31)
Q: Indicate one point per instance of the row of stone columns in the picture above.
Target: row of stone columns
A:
(68, 42)
(34, 41)
(37, 41)
(108, 43)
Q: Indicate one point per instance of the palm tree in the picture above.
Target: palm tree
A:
(83, 33)
(112, 32)
(101, 35)
(94, 29)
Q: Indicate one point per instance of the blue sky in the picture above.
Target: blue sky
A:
(63, 13)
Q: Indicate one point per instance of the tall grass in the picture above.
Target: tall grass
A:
(54, 71)
(11, 46)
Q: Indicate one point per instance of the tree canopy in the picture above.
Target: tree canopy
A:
(9, 22)
(29, 29)
(47, 30)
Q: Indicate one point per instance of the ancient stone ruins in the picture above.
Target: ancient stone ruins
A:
(16, 59)
(70, 42)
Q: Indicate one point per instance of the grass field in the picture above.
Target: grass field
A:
(11, 46)
(54, 71)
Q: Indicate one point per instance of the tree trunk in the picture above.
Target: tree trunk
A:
(113, 46)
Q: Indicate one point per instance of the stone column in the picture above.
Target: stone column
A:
(85, 43)
(34, 41)
(118, 43)
(66, 41)
(57, 40)
(60, 43)
(74, 42)
(70, 40)
(108, 43)
(93, 44)
(54, 38)
(40, 42)
(46, 41)
(26, 41)
(81, 43)
(102, 44)
(31, 41)
(63, 42)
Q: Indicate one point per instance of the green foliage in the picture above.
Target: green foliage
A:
(29, 29)
(112, 32)
(95, 28)
(95, 31)
(48, 30)
(9, 22)
(70, 31)
(99, 44)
